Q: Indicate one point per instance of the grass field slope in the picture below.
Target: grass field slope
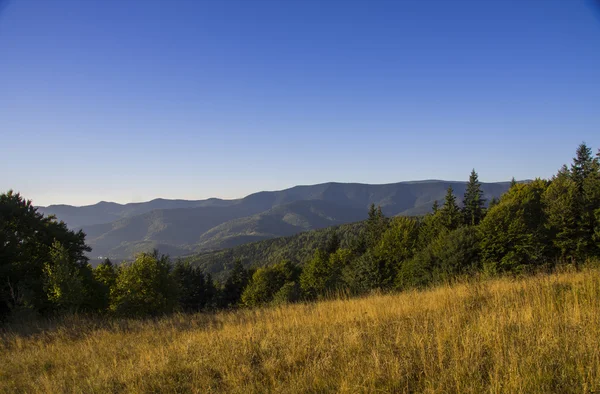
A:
(536, 335)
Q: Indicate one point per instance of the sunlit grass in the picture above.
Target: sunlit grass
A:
(538, 334)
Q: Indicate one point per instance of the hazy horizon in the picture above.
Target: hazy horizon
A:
(270, 190)
(132, 101)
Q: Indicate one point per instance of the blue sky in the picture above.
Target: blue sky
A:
(132, 100)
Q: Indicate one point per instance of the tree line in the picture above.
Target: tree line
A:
(535, 226)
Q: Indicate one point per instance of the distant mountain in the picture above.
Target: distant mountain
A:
(283, 220)
(106, 212)
(180, 227)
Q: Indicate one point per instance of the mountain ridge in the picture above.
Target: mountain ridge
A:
(191, 226)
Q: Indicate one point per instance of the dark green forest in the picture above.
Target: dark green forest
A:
(535, 226)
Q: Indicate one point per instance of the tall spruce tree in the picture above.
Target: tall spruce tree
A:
(191, 286)
(450, 216)
(583, 165)
(473, 202)
(235, 284)
(377, 223)
(585, 174)
(571, 203)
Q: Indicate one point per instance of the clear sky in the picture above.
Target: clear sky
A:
(133, 100)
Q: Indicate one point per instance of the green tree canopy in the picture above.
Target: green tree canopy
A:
(62, 280)
(267, 282)
(144, 287)
(194, 291)
(513, 235)
(234, 285)
(450, 216)
(26, 240)
(473, 202)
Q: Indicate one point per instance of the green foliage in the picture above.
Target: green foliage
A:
(322, 275)
(267, 282)
(513, 236)
(533, 225)
(450, 255)
(560, 200)
(333, 242)
(26, 240)
(376, 225)
(399, 241)
(297, 249)
(597, 228)
(62, 280)
(200, 227)
(144, 287)
(316, 275)
(583, 166)
(234, 285)
(288, 293)
(494, 201)
(450, 216)
(473, 202)
(397, 245)
(429, 228)
(105, 276)
(571, 203)
(194, 292)
(338, 261)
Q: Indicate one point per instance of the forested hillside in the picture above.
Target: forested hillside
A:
(535, 226)
(182, 227)
(297, 249)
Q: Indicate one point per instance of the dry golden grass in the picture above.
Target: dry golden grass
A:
(539, 334)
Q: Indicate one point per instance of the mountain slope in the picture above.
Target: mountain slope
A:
(179, 228)
(183, 227)
(297, 248)
(283, 220)
(106, 212)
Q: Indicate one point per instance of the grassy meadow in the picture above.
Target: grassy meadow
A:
(536, 334)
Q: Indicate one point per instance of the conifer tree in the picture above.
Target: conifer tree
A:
(585, 173)
(473, 202)
(513, 235)
(583, 165)
(450, 216)
(377, 223)
(493, 202)
(316, 274)
(563, 172)
(235, 284)
(191, 286)
(333, 242)
(571, 203)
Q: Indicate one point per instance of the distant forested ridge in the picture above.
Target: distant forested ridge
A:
(296, 248)
(180, 227)
(534, 226)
